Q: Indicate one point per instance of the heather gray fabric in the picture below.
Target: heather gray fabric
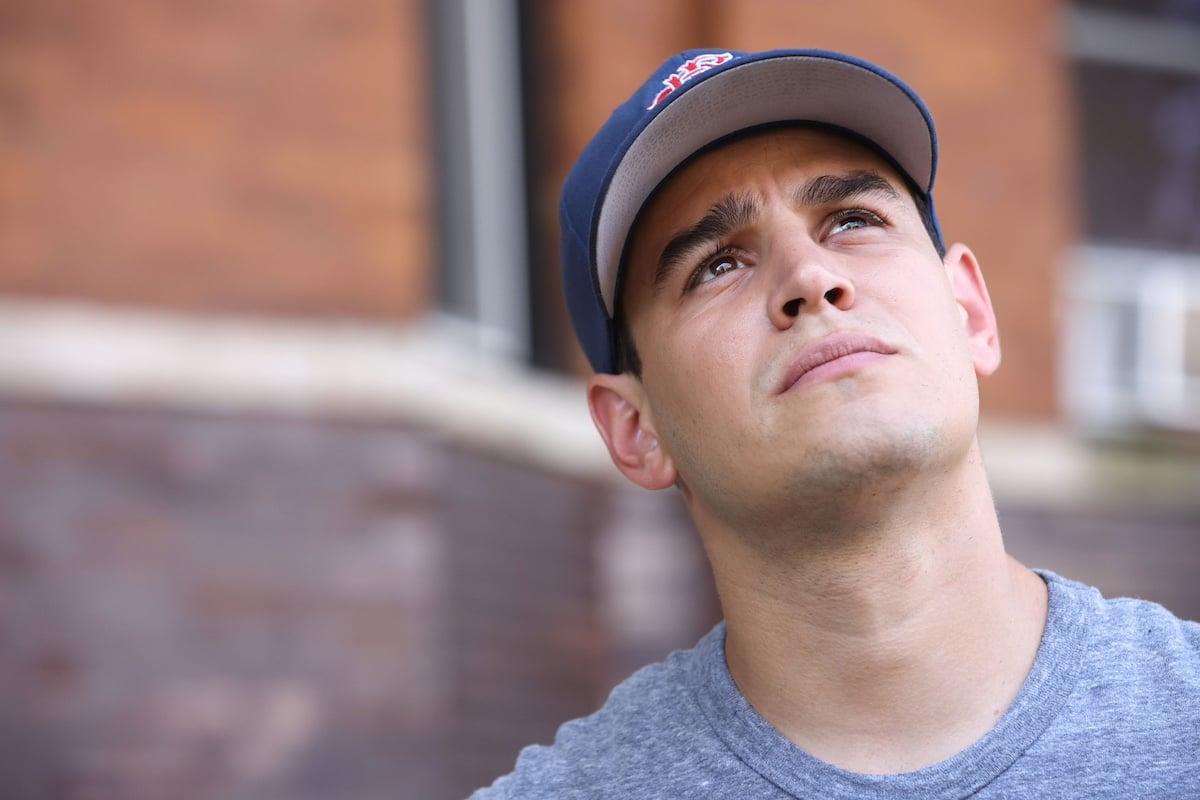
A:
(1111, 709)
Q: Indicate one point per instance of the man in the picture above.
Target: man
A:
(755, 269)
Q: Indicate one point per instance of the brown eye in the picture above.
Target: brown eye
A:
(854, 219)
(715, 267)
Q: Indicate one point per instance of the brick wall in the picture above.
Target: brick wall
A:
(197, 606)
(266, 156)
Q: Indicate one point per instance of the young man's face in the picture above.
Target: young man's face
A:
(798, 332)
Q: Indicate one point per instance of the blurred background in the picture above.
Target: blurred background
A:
(298, 493)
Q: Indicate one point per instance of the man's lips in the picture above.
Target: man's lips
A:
(831, 356)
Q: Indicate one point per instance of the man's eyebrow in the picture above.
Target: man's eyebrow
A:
(825, 190)
(736, 210)
(725, 216)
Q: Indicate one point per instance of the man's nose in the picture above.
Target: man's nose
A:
(807, 281)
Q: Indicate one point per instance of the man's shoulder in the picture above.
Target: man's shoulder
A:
(1131, 719)
(1128, 626)
(1141, 666)
(648, 720)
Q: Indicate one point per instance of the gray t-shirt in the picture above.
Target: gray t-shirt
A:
(1111, 709)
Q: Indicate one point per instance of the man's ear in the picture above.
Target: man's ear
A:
(975, 306)
(619, 409)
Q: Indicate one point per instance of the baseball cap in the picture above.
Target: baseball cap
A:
(697, 98)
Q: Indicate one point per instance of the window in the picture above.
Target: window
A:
(1132, 343)
(483, 272)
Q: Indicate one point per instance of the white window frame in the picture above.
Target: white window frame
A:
(1160, 293)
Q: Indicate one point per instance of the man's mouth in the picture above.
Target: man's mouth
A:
(833, 356)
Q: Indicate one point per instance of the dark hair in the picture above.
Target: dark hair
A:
(625, 354)
(925, 211)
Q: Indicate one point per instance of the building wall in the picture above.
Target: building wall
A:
(252, 157)
(204, 605)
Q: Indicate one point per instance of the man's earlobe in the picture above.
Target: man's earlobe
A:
(979, 318)
(618, 406)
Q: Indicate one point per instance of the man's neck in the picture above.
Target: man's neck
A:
(893, 650)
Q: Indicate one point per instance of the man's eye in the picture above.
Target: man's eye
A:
(854, 219)
(714, 267)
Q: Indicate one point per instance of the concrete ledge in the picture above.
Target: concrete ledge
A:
(228, 364)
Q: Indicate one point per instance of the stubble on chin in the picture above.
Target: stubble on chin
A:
(838, 491)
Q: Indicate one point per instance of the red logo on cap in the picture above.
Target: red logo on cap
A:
(690, 69)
